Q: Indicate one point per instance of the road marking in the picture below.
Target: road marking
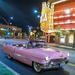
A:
(71, 64)
(15, 73)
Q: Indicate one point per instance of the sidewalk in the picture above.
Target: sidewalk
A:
(68, 49)
(5, 70)
(61, 46)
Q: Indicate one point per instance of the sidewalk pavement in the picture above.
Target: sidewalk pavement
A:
(61, 46)
(5, 70)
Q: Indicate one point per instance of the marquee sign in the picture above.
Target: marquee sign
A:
(45, 18)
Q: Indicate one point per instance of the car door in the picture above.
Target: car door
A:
(21, 54)
(11, 50)
(7, 49)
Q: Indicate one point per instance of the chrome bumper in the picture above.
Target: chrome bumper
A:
(55, 63)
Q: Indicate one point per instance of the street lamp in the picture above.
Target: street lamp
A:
(35, 11)
(11, 17)
(38, 16)
(7, 22)
(4, 19)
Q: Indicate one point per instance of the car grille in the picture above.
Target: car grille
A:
(58, 60)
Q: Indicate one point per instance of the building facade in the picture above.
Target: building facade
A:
(63, 24)
(11, 31)
(64, 18)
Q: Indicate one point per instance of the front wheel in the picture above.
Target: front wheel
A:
(37, 67)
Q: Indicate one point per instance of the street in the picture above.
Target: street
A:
(39, 33)
(23, 69)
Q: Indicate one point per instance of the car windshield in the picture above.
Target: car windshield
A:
(19, 45)
(33, 44)
(38, 44)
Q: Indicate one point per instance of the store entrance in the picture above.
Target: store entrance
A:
(52, 39)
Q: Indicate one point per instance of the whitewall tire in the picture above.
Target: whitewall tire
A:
(37, 67)
(9, 57)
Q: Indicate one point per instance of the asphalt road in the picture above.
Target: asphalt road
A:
(23, 69)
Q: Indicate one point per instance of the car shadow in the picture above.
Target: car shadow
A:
(59, 71)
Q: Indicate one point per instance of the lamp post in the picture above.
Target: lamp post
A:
(35, 11)
(5, 20)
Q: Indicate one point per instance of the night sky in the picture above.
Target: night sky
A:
(22, 12)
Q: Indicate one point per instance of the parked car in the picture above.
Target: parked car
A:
(37, 54)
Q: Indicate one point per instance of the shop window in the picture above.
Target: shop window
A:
(71, 38)
(62, 39)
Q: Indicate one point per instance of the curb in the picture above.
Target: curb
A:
(71, 64)
(14, 72)
(58, 46)
(66, 48)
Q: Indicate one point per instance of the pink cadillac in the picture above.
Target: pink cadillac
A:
(36, 54)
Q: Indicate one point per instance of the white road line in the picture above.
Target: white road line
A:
(71, 64)
(14, 72)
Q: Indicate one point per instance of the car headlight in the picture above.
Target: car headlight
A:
(47, 58)
(52, 63)
(24, 45)
(68, 54)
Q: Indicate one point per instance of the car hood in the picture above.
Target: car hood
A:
(47, 52)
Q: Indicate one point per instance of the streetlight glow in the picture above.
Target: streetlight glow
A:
(11, 18)
(35, 11)
(38, 16)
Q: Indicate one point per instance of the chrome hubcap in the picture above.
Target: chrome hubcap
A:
(37, 67)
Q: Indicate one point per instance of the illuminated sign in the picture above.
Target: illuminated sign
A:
(71, 38)
(45, 18)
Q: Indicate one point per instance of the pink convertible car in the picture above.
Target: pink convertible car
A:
(36, 54)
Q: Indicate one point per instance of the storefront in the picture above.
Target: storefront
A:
(67, 39)
(64, 18)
